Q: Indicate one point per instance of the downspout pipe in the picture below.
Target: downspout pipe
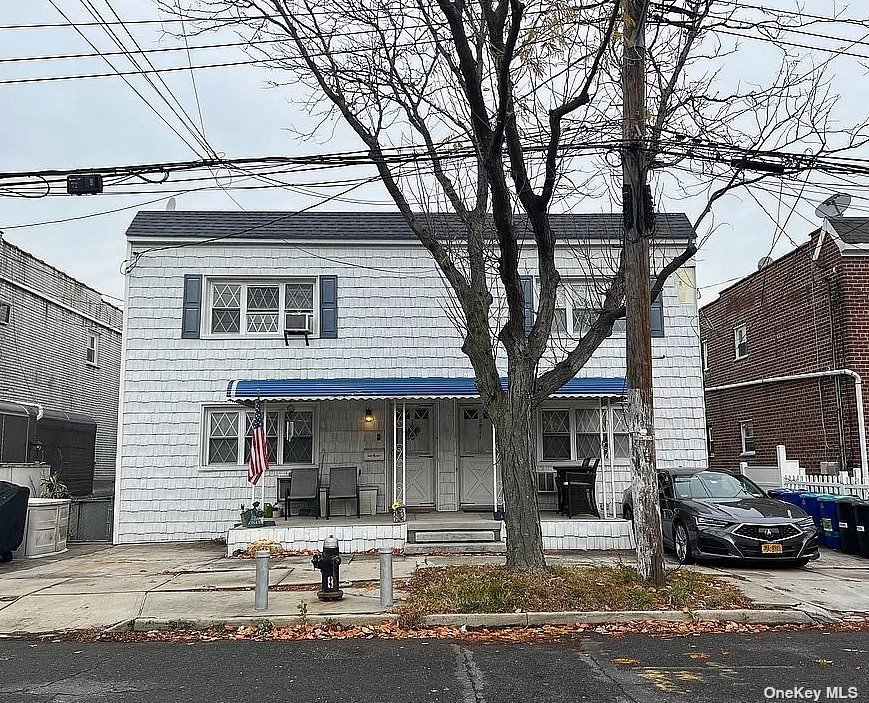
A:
(858, 393)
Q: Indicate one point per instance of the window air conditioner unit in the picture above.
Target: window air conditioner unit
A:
(298, 325)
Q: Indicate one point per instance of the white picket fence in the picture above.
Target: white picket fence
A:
(843, 484)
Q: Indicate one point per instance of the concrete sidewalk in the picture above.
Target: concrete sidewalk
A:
(100, 586)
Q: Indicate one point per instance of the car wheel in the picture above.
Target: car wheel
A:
(682, 544)
(5, 556)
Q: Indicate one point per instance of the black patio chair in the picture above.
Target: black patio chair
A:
(304, 489)
(576, 485)
(343, 485)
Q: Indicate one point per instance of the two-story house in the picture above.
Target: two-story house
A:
(60, 364)
(342, 325)
(782, 349)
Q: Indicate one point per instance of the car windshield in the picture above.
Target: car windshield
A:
(713, 484)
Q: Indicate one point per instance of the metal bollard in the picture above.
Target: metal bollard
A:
(386, 577)
(261, 592)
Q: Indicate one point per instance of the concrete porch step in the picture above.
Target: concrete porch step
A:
(455, 548)
(452, 525)
(456, 536)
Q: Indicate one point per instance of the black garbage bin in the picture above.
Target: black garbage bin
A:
(847, 525)
(861, 519)
(13, 512)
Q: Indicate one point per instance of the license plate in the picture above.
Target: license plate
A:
(770, 548)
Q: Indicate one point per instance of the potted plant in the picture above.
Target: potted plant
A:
(53, 487)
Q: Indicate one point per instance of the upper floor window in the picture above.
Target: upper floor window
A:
(579, 302)
(740, 341)
(227, 436)
(5, 312)
(93, 348)
(704, 354)
(261, 308)
(746, 432)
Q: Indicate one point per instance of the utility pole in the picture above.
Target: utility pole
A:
(638, 221)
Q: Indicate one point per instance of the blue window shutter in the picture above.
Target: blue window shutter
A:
(657, 316)
(528, 293)
(192, 309)
(329, 307)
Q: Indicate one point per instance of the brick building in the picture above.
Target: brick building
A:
(805, 313)
(60, 364)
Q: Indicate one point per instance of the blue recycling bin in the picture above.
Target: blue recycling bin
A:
(828, 506)
(809, 503)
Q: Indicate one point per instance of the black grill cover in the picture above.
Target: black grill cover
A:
(13, 511)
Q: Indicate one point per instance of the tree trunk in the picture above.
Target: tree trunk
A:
(514, 441)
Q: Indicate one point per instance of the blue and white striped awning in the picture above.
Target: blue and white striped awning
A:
(299, 389)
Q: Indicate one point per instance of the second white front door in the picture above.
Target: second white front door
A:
(475, 457)
(420, 445)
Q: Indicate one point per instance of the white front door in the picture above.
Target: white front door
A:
(475, 457)
(420, 445)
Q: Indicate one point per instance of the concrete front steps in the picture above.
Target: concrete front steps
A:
(471, 536)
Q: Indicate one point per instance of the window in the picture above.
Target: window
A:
(299, 437)
(740, 341)
(704, 355)
(5, 313)
(746, 431)
(555, 430)
(710, 442)
(577, 307)
(261, 308)
(227, 440)
(546, 482)
(587, 438)
(299, 306)
(223, 438)
(621, 434)
(92, 352)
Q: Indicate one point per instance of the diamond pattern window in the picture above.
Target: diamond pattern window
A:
(587, 433)
(223, 438)
(556, 434)
(263, 309)
(299, 306)
(226, 308)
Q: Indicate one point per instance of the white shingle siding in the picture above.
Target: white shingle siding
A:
(44, 345)
(391, 322)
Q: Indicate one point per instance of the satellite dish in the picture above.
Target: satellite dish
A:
(833, 206)
(171, 204)
(764, 262)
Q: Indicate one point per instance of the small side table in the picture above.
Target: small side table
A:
(367, 500)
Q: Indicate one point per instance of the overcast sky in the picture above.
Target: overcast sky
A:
(72, 124)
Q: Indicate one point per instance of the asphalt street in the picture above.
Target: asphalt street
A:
(635, 669)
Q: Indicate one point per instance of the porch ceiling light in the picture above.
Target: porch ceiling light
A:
(369, 416)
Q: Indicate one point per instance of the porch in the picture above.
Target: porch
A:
(371, 532)
(426, 444)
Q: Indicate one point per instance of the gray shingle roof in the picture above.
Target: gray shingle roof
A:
(852, 230)
(362, 225)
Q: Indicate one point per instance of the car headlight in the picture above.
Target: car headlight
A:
(711, 522)
(807, 524)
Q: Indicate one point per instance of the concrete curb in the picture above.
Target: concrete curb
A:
(146, 624)
(613, 617)
(475, 620)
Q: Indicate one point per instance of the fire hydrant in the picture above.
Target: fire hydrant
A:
(328, 563)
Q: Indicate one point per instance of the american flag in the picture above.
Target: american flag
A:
(259, 446)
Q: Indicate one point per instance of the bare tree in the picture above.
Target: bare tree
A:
(513, 110)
